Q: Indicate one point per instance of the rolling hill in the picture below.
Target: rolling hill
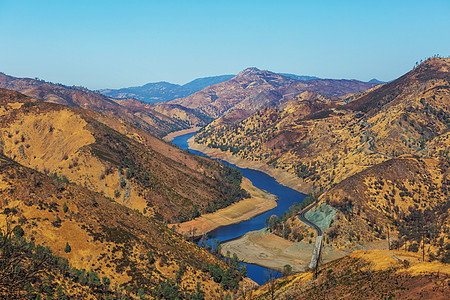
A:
(111, 157)
(63, 239)
(134, 112)
(379, 158)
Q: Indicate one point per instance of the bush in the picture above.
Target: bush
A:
(122, 182)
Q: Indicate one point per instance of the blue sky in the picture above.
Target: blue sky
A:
(112, 44)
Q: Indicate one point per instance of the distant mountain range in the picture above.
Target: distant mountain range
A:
(299, 77)
(164, 91)
(159, 119)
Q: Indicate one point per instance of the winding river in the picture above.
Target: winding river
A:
(286, 197)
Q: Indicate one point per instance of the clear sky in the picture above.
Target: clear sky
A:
(112, 44)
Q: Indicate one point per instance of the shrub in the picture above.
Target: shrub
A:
(122, 182)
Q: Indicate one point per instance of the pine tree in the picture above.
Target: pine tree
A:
(67, 249)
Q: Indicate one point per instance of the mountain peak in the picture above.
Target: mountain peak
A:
(434, 64)
(248, 72)
(376, 81)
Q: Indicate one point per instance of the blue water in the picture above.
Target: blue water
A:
(286, 197)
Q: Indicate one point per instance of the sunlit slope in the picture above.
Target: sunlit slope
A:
(103, 236)
(109, 156)
(253, 89)
(139, 114)
(324, 143)
(376, 274)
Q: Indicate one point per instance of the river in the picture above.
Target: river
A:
(286, 197)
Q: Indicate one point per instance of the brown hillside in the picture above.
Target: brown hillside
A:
(114, 158)
(253, 89)
(380, 160)
(217, 99)
(132, 111)
(104, 236)
(432, 70)
(324, 142)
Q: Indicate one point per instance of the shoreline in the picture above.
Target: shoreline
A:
(175, 134)
(246, 209)
(282, 177)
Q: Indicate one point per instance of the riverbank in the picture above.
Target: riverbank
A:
(259, 202)
(282, 177)
(270, 251)
(173, 135)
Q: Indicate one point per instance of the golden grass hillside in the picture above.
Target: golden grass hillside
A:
(381, 160)
(139, 254)
(406, 198)
(376, 274)
(158, 122)
(111, 157)
(324, 143)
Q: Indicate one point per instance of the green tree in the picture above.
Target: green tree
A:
(199, 294)
(287, 269)
(106, 282)
(67, 249)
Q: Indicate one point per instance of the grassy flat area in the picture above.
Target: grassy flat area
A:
(268, 250)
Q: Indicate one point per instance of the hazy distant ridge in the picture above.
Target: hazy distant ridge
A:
(164, 91)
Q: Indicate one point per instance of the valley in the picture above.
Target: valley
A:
(224, 150)
(373, 160)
